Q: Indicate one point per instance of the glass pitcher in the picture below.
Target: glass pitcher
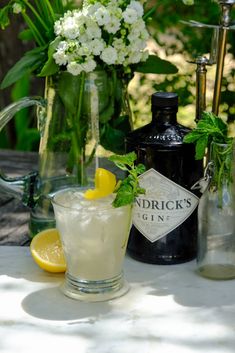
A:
(78, 114)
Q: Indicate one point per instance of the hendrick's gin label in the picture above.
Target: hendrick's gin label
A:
(164, 207)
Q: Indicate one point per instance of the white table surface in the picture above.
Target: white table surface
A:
(168, 309)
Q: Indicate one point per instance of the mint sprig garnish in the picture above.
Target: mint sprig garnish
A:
(210, 131)
(210, 128)
(128, 189)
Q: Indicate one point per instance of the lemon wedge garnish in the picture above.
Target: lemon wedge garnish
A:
(47, 252)
(105, 183)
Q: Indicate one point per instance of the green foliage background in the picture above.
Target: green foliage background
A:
(172, 40)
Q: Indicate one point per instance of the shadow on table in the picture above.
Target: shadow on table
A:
(52, 304)
(20, 264)
(182, 282)
(147, 281)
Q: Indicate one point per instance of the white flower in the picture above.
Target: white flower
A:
(145, 55)
(137, 45)
(113, 26)
(74, 68)
(135, 57)
(136, 29)
(84, 50)
(118, 44)
(89, 10)
(97, 46)
(63, 46)
(89, 65)
(102, 16)
(109, 55)
(130, 15)
(83, 38)
(137, 6)
(144, 35)
(109, 30)
(17, 8)
(58, 28)
(60, 57)
(70, 28)
(121, 56)
(93, 30)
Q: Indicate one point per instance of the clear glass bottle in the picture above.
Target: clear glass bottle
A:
(164, 227)
(216, 214)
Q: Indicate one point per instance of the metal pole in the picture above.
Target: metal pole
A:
(224, 27)
(201, 71)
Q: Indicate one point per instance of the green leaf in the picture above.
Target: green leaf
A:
(201, 146)
(50, 67)
(210, 128)
(155, 65)
(112, 139)
(129, 188)
(124, 196)
(149, 13)
(140, 168)
(128, 159)
(28, 63)
(69, 88)
(106, 114)
(4, 17)
(26, 34)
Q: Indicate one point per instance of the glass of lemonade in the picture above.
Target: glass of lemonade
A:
(94, 236)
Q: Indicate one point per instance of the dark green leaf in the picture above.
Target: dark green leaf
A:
(128, 158)
(155, 65)
(209, 128)
(4, 17)
(69, 90)
(28, 63)
(124, 196)
(112, 139)
(50, 67)
(26, 35)
(129, 188)
(140, 168)
(106, 114)
(149, 13)
(201, 146)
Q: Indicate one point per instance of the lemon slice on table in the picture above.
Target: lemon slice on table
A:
(105, 183)
(47, 252)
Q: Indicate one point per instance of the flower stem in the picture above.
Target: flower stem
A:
(51, 11)
(77, 135)
(38, 38)
(38, 17)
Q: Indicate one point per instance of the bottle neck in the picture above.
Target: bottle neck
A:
(164, 116)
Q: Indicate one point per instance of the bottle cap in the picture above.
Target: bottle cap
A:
(164, 99)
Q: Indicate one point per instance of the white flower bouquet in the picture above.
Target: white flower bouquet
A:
(104, 32)
(106, 38)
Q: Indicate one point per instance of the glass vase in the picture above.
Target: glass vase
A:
(216, 216)
(85, 116)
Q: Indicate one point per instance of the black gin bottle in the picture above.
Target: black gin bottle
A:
(164, 227)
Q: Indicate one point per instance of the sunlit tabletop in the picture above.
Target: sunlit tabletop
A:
(168, 309)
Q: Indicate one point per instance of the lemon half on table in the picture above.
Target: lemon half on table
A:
(47, 251)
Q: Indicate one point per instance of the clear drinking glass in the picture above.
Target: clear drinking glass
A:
(94, 237)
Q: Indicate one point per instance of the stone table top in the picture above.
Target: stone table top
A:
(168, 309)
